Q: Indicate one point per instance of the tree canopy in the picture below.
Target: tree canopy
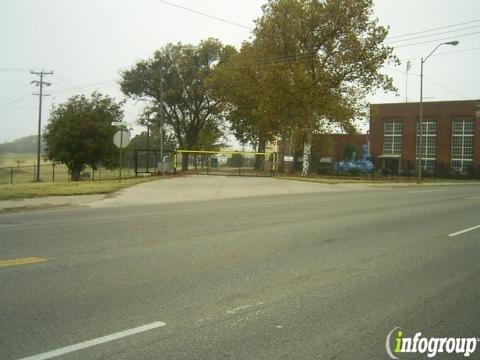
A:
(174, 81)
(80, 132)
(310, 63)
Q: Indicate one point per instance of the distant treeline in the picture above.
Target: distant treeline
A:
(24, 145)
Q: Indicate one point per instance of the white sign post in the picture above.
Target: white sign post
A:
(121, 139)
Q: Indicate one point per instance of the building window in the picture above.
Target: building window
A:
(392, 136)
(462, 144)
(429, 143)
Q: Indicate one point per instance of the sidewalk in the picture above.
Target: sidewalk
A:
(7, 206)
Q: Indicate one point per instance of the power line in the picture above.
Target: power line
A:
(12, 93)
(14, 69)
(17, 108)
(445, 53)
(436, 40)
(430, 35)
(68, 82)
(446, 88)
(11, 102)
(429, 80)
(433, 29)
(204, 14)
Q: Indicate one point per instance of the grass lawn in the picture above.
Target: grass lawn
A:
(30, 190)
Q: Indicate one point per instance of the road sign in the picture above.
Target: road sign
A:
(121, 139)
(288, 158)
(119, 123)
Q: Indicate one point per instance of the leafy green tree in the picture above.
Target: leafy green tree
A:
(310, 64)
(140, 142)
(80, 132)
(175, 82)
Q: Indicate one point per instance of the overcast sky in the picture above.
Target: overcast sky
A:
(86, 43)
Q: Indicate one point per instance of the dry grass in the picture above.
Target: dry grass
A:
(30, 190)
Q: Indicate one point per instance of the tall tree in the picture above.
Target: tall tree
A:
(80, 132)
(174, 80)
(310, 63)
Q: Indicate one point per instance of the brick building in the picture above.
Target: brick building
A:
(451, 132)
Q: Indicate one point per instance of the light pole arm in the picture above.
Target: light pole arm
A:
(436, 47)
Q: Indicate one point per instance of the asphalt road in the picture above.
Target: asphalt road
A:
(317, 274)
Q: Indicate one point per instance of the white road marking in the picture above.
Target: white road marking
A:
(238, 308)
(464, 231)
(93, 342)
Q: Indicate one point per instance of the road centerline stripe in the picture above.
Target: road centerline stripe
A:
(93, 342)
(464, 231)
(21, 261)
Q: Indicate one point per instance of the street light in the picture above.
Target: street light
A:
(420, 123)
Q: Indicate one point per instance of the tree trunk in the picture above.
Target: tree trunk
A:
(307, 155)
(259, 159)
(75, 174)
(185, 161)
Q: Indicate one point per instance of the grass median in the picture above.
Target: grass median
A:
(42, 189)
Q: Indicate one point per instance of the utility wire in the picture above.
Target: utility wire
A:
(446, 88)
(204, 14)
(18, 107)
(13, 93)
(444, 53)
(429, 80)
(8, 102)
(436, 40)
(14, 69)
(430, 35)
(433, 29)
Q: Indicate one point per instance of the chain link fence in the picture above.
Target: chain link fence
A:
(224, 163)
(57, 173)
(377, 168)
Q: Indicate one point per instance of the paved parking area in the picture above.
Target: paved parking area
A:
(202, 188)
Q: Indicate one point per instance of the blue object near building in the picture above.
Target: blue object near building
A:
(364, 165)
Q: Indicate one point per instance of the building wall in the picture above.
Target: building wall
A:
(443, 112)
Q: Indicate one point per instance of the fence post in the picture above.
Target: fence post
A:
(239, 164)
(34, 172)
(175, 163)
(93, 174)
(373, 169)
(53, 172)
(11, 175)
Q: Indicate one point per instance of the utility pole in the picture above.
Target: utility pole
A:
(40, 95)
(409, 66)
(161, 122)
